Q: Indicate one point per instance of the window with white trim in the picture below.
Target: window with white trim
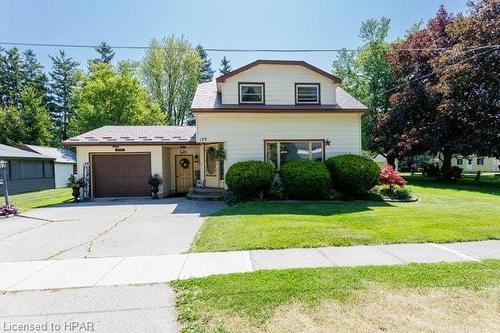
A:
(480, 161)
(281, 152)
(307, 93)
(460, 161)
(251, 93)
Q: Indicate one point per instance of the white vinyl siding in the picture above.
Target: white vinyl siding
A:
(279, 81)
(244, 134)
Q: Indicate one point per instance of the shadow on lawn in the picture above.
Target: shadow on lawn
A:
(487, 184)
(322, 208)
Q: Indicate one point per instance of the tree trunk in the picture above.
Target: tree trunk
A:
(391, 160)
(446, 168)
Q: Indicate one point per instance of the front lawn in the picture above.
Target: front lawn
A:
(446, 212)
(408, 298)
(27, 201)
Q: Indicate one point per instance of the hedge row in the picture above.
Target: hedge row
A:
(305, 179)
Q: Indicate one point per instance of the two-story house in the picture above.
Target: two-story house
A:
(270, 110)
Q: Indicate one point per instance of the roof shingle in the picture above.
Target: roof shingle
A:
(13, 152)
(135, 135)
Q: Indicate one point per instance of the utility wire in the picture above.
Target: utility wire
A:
(495, 48)
(235, 50)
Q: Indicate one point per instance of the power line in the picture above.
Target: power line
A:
(233, 50)
(493, 48)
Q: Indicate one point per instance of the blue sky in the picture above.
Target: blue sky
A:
(260, 24)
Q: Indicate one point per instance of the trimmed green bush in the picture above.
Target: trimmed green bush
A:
(353, 174)
(305, 179)
(394, 192)
(248, 179)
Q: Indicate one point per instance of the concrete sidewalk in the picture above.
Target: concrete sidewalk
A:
(72, 273)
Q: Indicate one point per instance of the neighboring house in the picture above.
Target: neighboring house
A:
(64, 164)
(476, 163)
(27, 171)
(381, 161)
(268, 110)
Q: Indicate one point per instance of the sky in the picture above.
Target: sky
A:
(247, 24)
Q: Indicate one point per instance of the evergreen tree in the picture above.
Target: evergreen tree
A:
(33, 72)
(225, 66)
(63, 80)
(36, 122)
(106, 53)
(206, 73)
(10, 126)
(11, 77)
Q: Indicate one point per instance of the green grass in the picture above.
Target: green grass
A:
(446, 212)
(256, 295)
(27, 201)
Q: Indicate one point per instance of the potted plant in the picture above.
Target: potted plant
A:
(76, 185)
(155, 181)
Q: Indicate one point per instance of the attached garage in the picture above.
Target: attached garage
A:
(121, 175)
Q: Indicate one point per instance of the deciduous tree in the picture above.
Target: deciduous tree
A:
(366, 74)
(170, 71)
(112, 97)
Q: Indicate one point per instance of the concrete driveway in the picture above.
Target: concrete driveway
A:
(104, 228)
(101, 228)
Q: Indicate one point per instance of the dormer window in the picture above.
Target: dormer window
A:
(251, 93)
(307, 93)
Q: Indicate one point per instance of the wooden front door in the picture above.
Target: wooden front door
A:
(183, 173)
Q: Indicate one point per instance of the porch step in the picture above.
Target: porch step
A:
(206, 193)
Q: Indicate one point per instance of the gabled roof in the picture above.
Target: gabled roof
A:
(13, 152)
(62, 155)
(130, 135)
(207, 99)
(334, 78)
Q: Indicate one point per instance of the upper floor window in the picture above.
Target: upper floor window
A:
(460, 161)
(251, 93)
(480, 161)
(307, 93)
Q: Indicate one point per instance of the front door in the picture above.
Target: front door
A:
(183, 173)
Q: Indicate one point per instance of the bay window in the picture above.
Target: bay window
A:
(280, 152)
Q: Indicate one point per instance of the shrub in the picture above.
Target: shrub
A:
(248, 179)
(394, 192)
(391, 177)
(305, 179)
(430, 170)
(456, 172)
(334, 195)
(353, 174)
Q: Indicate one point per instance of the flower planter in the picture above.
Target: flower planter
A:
(76, 193)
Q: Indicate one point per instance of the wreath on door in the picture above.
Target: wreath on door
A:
(184, 163)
